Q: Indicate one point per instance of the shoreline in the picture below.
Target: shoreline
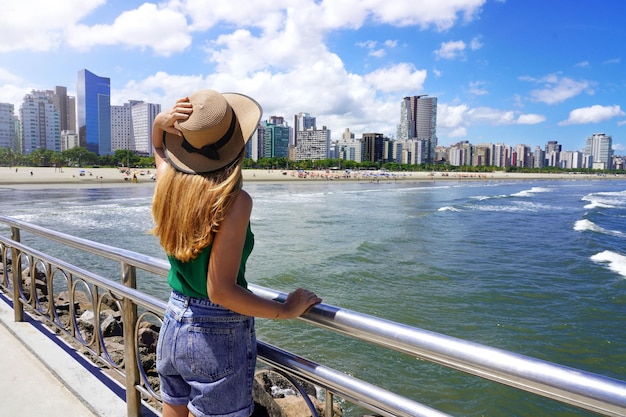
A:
(48, 176)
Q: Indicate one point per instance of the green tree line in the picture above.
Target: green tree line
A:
(79, 157)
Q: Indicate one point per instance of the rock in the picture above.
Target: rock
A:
(110, 326)
(295, 406)
(148, 338)
(286, 401)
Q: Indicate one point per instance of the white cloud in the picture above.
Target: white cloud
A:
(372, 46)
(451, 117)
(377, 53)
(38, 25)
(367, 44)
(530, 119)
(457, 118)
(558, 89)
(440, 14)
(166, 27)
(450, 50)
(593, 114)
(492, 116)
(163, 30)
(475, 44)
(612, 61)
(459, 132)
(477, 88)
(9, 77)
(456, 49)
(391, 43)
(401, 77)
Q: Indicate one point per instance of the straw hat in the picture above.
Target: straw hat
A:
(214, 134)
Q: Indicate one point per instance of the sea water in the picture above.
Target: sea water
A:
(534, 267)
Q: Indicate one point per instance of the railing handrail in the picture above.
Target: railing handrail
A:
(569, 385)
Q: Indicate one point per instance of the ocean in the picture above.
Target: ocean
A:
(535, 267)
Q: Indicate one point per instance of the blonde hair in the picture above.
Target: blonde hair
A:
(188, 209)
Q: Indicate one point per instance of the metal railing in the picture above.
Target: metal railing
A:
(22, 265)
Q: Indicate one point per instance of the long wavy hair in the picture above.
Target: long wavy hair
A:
(188, 209)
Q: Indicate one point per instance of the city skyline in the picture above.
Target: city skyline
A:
(301, 121)
(503, 71)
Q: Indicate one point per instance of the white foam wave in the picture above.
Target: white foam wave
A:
(448, 208)
(531, 192)
(615, 199)
(587, 225)
(524, 193)
(584, 224)
(487, 197)
(520, 206)
(615, 262)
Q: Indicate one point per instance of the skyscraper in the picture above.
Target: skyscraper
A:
(302, 121)
(121, 127)
(312, 144)
(8, 138)
(40, 122)
(143, 115)
(66, 106)
(418, 120)
(131, 126)
(599, 147)
(373, 146)
(94, 112)
(276, 139)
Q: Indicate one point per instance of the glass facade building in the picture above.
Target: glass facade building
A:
(94, 112)
(276, 141)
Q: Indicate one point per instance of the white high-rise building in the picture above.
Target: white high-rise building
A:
(312, 144)
(501, 155)
(121, 128)
(599, 147)
(410, 151)
(40, 122)
(69, 140)
(143, 115)
(131, 126)
(350, 149)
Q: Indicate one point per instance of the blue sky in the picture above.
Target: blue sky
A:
(504, 71)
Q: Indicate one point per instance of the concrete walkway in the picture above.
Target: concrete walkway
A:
(42, 376)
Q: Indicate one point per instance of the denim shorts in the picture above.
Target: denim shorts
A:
(206, 356)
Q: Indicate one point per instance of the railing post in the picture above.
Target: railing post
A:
(328, 407)
(129, 317)
(16, 268)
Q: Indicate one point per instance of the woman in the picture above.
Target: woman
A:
(207, 348)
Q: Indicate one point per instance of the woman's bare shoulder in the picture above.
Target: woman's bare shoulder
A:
(240, 209)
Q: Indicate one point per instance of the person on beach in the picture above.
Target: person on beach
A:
(206, 351)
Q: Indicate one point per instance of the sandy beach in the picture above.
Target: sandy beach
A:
(48, 177)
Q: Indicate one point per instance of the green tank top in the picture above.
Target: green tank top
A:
(190, 278)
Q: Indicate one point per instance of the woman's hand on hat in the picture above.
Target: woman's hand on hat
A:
(181, 111)
(297, 303)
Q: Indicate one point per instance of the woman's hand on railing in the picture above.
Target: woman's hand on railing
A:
(297, 303)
